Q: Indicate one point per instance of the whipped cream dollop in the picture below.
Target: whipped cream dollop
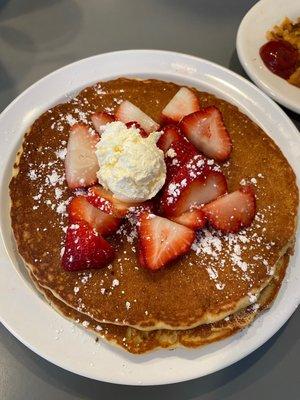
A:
(132, 167)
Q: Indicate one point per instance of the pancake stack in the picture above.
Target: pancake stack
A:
(216, 289)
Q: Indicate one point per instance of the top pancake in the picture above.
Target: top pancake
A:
(220, 274)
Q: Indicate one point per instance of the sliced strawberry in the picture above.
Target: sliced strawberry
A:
(81, 163)
(142, 132)
(145, 206)
(193, 219)
(161, 240)
(100, 119)
(171, 133)
(105, 201)
(196, 183)
(95, 198)
(81, 210)
(85, 248)
(206, 130)
(179, 153)
(183, 103)
(233, 211)
(128, 112)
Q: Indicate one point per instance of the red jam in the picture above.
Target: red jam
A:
(280, 57)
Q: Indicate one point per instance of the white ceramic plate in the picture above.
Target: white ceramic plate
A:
(252, 35)
(36, 324)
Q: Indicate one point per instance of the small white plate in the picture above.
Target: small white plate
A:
(43, 330)
(252, 35)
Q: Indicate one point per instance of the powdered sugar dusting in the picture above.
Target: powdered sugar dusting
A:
(32, 175)
(233, 250)
(61, 153)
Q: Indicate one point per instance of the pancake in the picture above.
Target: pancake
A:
(140, 342)
(217, 278)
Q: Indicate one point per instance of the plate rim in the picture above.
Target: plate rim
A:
(179, 55)
(271, 91)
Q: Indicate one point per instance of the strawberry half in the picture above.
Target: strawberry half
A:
(105, 201)
(195, 184)
(137, 126)
(193, 219)
(81, 210)
(161, 240)
(128, 112)
(171, 133)
(206, 130)
(180, 152)
(85, 248)
(81, 164)
(233, 211)
(183, 103)
(100, 119)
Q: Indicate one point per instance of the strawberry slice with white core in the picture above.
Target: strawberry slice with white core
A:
(171, 133)
(206, 130)
(183, 103)
(81, 210)
(85, 248)
(128, 112)
(100, 119)
(81, 164)
(161, 240)
(105, 201)
(193, 219)
(232, 212)
(198, 182)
